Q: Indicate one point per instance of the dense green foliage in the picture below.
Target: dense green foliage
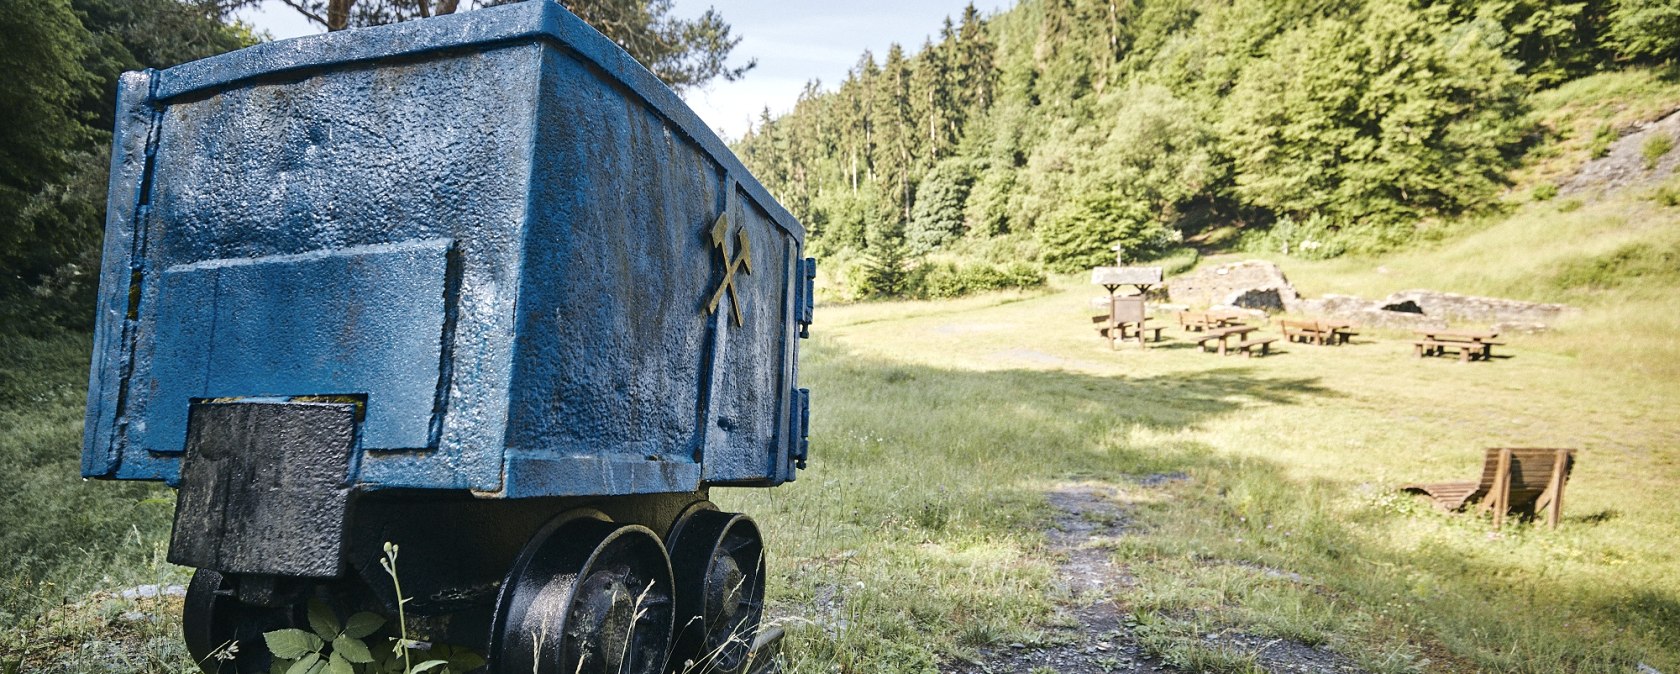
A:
(62, 59)
(1647, 29)
(1087, 124)
(45, 83)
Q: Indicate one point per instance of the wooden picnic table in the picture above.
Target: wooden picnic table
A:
(1124, 330)
(1471, 345)
(1130, 329)
(1223, 334)
(1197, 321)
(1318, 331)
(1458, 335)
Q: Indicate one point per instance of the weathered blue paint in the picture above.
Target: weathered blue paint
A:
(358, 320)
(493, 227)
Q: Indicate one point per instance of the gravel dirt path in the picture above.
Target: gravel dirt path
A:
(1095, 637)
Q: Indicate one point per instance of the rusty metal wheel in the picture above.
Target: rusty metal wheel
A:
(718, 559)
(586, 596)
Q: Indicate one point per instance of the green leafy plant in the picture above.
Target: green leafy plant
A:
(1312, 238)
(1644, 29)
(1544, 192)
(329, 647)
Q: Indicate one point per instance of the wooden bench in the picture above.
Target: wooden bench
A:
(1247, 347)
(1305, 332)
(1192, 321)
(1223, 337)
(1126, 330)
(1103, 327)
(1340, 333)
(1522, 480)
(1198, 321)
(1467, 351)
(1317, 332)
(1130, 330)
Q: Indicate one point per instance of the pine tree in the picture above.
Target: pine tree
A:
(937, 217)
(895, 131)
(886, 265)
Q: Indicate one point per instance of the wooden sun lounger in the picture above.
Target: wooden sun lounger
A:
(1523, 480)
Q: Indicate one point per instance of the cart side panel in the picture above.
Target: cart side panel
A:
(625, 382)
(747, 441)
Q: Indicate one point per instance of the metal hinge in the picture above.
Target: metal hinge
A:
(807, 292)
(802, 432)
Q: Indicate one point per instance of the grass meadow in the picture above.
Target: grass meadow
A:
(917, 537)
(918, 534)
(1261, 493)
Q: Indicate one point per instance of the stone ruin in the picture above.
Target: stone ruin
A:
(1251, 284)
(1260, 286)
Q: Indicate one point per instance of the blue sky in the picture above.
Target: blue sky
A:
(793, 40)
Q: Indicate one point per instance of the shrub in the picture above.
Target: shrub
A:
(1081, 235)
(1668, 195)
(1544, 192)
(884, 272)
(939, 280)
(1658, 145)
(1599, 147)
(1312, 239)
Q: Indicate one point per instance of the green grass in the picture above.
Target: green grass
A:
(1655, 148)
(1581, 118)
(69, 544)
(973, 408)
(918, 535)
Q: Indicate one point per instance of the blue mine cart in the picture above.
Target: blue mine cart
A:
(479, 286)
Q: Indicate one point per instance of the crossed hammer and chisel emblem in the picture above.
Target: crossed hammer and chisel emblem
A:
(741, 261)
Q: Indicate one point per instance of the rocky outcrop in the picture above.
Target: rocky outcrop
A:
(1252, 284)
(1625, 164)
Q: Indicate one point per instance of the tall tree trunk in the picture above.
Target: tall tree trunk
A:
(933, 127)
(854, 168)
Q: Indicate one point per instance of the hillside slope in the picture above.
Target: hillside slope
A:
(1059, 128)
